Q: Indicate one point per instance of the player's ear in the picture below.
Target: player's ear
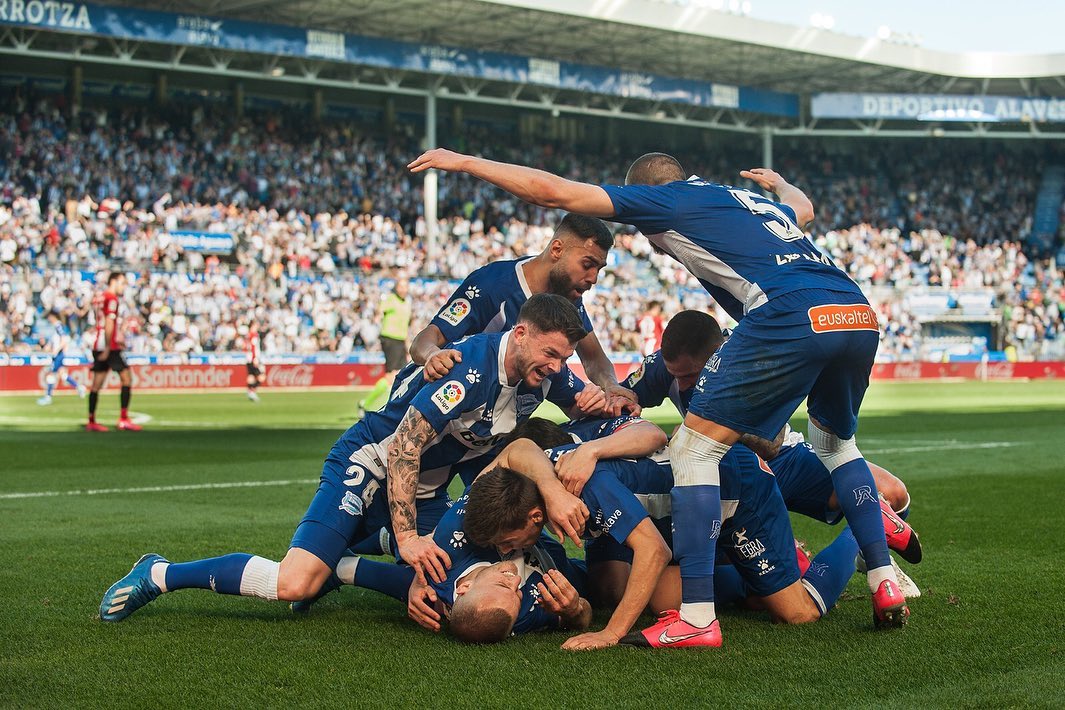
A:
(536, 516)
(463, 586)
(556, 248)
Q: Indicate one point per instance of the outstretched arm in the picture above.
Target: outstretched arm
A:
(404, 464)
(640, 438)
(790, 195)
(532, 185)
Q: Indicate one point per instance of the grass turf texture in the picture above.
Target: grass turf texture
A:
(987, 632)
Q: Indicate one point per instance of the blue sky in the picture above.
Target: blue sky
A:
(973, 25)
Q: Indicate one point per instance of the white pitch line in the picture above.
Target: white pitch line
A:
(946, 447)
(157, 489)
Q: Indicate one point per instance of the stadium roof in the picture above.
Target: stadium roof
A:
(685, 40)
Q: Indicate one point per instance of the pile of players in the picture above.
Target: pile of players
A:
(715, 501)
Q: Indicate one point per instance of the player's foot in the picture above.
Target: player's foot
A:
(93, 426)
(670, 631)
(802, 557)
(45, 400)
(253, 396)
(304, 605)
(889, 606)
(900, 536)
(132, 591)
(128, 425)
(82, 391)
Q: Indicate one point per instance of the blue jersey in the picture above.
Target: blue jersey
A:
(488, 301)
(59, 341)
(744, 248)
(531, 563)
(652, 384)
(590, 428)
(470, 410)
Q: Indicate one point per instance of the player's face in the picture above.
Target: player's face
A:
(685, 370)
(541, 355)
(118, 286)
(521, 538)
(497, 587)
(577, 269)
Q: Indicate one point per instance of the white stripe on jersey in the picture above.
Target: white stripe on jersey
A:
(704, 265)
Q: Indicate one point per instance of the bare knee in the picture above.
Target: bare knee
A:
(294, 587)
(797, 614)
(893, 489)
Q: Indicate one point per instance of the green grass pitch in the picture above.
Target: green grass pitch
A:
(982, 461)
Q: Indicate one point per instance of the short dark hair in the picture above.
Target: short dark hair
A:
(473, 625)
(579, 226)
(691, 333)
(542, 432)
(114, 276)
(499, 502)
(654, 169)
(549, 313)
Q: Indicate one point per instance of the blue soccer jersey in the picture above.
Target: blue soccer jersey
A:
(471, 410)
(590, 428)
(488, 301)
(652, 384)
(744, 248)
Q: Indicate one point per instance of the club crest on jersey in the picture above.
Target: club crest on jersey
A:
(351, 504)
(448, 396)
(527, 404)
(456, 311)
(864, 494)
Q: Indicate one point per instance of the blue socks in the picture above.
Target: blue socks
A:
(696, 526)
(857, 496)
(830, 571)
(385, 577)
(220, 574)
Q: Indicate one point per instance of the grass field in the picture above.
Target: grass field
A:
(213, 473)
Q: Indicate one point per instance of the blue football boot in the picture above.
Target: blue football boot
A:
(132, 591)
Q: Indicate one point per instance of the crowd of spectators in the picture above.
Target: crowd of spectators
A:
(323, 216)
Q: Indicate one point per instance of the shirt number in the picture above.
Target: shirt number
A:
(776, 221)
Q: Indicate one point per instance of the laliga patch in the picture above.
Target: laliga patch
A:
(448, 396)
(636, 376)
(839, 318)
(456, 311)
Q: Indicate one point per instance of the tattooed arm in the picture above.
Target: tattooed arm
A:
(404, 464)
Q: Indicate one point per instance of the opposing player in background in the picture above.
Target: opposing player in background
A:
(651, 326)
(252, 346)
(107, 352)
(805, 331)
(490, 298)
(58, 342)
(395, 326)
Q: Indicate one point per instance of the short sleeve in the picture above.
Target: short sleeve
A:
(650, 383)
(563, 388)
(613, 507)
(650, 208)
(468, 311)
(444, 400)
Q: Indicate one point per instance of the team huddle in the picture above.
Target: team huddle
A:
(676, 527)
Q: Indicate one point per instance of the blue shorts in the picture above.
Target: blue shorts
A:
(814, 343)
(57, 362)
(349, 505)
(758, 540)
(805, 484)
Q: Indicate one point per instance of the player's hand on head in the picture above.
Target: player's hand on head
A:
(566, 515)
(438, 158)
(767, 179)
(557, 595)
(427, 559)
(440, 363)
(574, 468)
(590, 641)
(421, 600)
(621, 400)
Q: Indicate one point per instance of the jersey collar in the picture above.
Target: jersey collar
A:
(502, 358)
(520, 272)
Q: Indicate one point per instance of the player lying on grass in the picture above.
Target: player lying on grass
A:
(392, 468)
(805, 332)
(756, 537)
(688, 342)
(490, 298)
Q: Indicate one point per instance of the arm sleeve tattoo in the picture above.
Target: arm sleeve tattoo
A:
(404, 463)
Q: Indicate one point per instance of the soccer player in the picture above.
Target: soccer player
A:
(490, 298)
(805, 331)
(395, 325)
(107, 352)
(252, 346)
(59, 341)
(650, 326)
(392, 468)
(804, 482)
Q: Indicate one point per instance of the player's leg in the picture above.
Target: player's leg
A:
(833, 406)
(253, 383)
(100, 368)
(126, 379)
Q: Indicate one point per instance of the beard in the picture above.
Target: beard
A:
(559, 283)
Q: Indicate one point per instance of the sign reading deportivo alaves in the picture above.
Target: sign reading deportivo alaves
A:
(282, 40)
(939, 107)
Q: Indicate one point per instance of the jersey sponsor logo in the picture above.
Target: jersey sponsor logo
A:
(479, 442)
(747, 547)
(456, 311)
(448, 396)
(836, 317)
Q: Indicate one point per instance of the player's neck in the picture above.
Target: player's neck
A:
(536, 270)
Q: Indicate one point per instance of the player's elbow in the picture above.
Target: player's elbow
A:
(801, 614)
(804, 212)
(656, 438)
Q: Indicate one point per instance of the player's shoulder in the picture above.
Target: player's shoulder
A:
(492, 273)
